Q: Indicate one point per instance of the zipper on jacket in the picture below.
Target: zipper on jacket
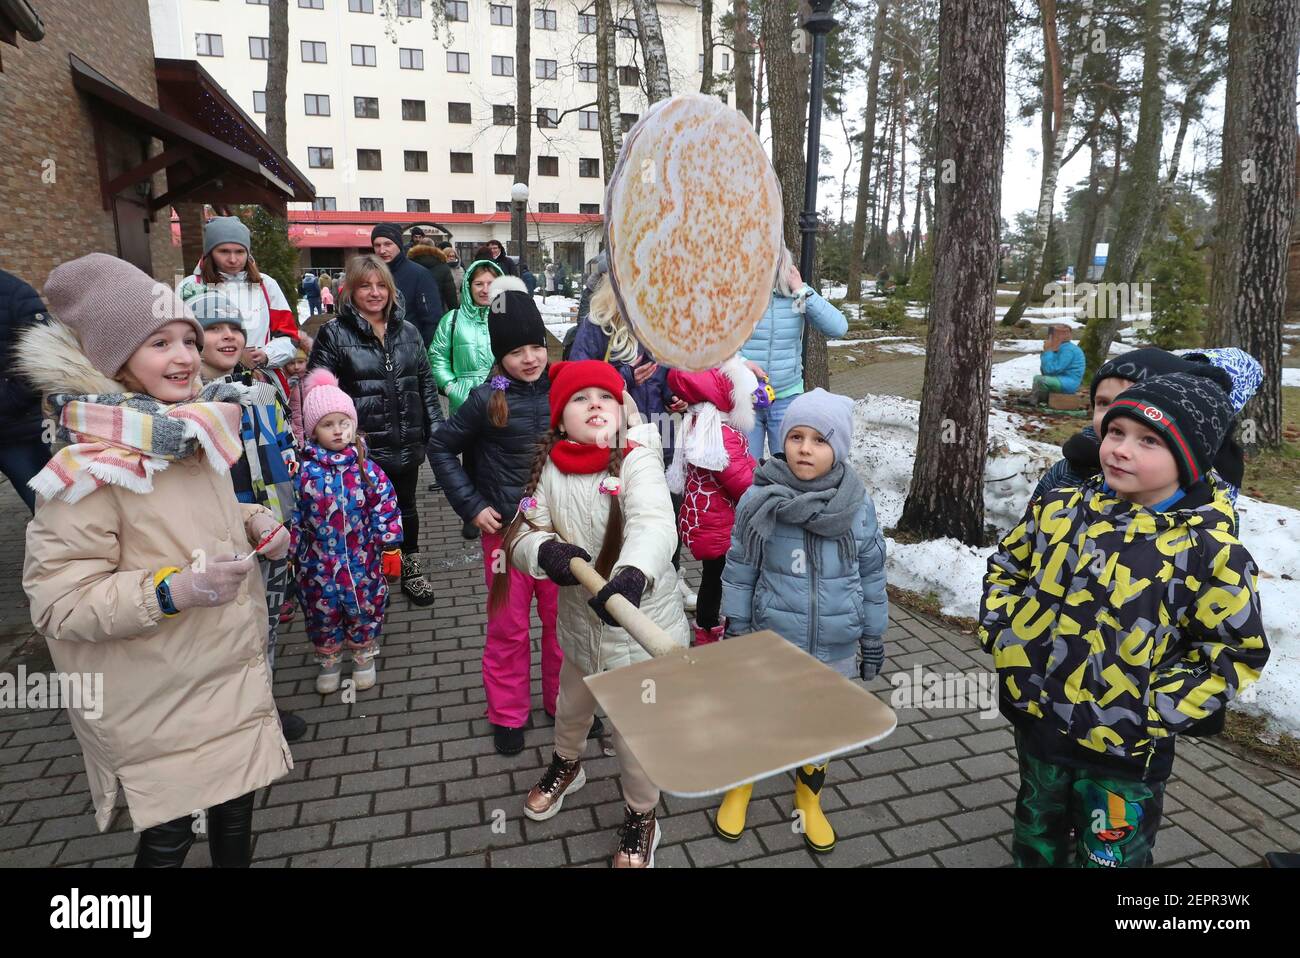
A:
(812, 616)
(394, 408)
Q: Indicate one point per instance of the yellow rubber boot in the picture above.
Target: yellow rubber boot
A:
(730, 821)
(817, 832)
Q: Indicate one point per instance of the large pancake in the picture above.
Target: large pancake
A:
(693, 230)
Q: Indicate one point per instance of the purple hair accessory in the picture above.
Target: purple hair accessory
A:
(500, 383)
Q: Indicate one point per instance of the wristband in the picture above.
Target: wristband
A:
(163, 591)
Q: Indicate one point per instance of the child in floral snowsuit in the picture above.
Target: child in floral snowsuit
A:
(345, 516)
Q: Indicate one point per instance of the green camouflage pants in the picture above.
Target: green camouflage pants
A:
(1105, 822)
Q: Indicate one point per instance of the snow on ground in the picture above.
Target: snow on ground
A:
(555, 306)
(884, 447)
(559, 330)
(907, 349)
(860, 342)
(1290, 376)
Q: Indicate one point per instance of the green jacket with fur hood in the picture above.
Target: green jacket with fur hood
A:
(461, 352)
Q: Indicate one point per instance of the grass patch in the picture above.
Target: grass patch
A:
(1274, 476)
(928, 605)
(1253, 734)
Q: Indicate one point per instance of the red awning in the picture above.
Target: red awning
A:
(332, 235)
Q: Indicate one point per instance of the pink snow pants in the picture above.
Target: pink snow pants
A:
(507, 651)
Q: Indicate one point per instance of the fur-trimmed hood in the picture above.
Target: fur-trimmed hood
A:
(52, 359)
(730, 388)
(426, 256)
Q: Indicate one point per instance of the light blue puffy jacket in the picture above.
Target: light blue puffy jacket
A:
(1067, 364)
(777, 340)
(823, 612)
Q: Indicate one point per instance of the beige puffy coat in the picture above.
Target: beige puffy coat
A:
(574, 507)
(188, 719)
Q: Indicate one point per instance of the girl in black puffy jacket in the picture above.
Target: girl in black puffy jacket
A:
(499, 427)
(380, 362)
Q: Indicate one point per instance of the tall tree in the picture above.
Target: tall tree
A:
(277, 75)
(1259, 182)
(743, 44)
(858, 247)
(946, 497)
(1143, 192)
(523, 119)
(611, 124)
(706, 32)
(658, 84)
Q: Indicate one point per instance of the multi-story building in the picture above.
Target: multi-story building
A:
(398, 115)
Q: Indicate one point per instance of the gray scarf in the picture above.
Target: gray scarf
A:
(823, 507)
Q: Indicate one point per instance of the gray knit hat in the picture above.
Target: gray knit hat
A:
(829, 413)
(211, 307)
(112, 307)
(226, 229)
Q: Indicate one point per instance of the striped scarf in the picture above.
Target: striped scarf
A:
(123, 439)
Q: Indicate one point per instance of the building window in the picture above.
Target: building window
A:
(372, 204)
(259, 101)
(363, 56)
(417, 206)
(503, 206)
(458, 113)
(412, 109)
(457, 62)
(548, 207)
(628, 120)
(410, 8)
(369, 160)
(544, 19)
(588, 166)
(627, 26)
(320, 157)
(547, 118)
(462, 206)
(361, 6)
(503, 114)
(366, 107)
(462, 162)
(208, 45)
(503, 66)
(417, 161)
(259, 48)
(587, 73)
(588, 120)
(312, 4)
(546, 69)
(457, 10)
(548, 166)
(313, 51)
(258, 3)
(629, 76)
(587, 23)
(589, 208)
(409, 58)
(324, 204)
(726, 61)
(501, 16)
(316, 104)
(503, 164)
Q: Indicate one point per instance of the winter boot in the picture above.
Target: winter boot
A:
(331, 675)
(729, 823)
(547, 797)
(817, 832)
(703, 636)
(364, 673)
(637, 839)
(414, 584)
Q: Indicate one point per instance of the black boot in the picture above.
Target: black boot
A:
(165, 845)
(293, 727)
(230, 833)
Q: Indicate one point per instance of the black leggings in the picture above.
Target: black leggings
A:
(708, 601)
(405, 484)
(230, 837)
(677, 509)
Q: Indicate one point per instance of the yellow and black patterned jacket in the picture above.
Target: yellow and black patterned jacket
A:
(1114, 627)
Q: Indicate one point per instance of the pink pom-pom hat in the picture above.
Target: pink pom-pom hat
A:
(321, 396)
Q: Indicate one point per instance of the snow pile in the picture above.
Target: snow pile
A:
(884, 448)
(907, 349)
(1290, 376)
(862, 342)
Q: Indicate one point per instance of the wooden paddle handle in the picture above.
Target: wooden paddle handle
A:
(636, 623)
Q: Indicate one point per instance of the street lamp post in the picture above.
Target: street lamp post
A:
(518, 220)
(819, 23)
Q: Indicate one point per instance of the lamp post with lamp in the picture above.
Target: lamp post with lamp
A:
(518, 218)
(819, 23)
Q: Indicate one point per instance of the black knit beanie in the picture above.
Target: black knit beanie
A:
(1139, 365)
(513, 319)
(1192, 413)
(389, 231)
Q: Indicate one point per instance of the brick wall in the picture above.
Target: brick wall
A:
(47, 135)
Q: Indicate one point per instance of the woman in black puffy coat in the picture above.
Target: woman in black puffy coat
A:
(380, 362)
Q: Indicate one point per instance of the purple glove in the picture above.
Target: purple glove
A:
(629, 582)
(553, 556)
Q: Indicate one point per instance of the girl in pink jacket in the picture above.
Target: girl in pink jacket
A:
(712, 470)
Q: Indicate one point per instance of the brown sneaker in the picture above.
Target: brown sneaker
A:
(560, 779)
(637, 840)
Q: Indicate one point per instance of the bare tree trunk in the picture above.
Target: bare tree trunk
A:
(706, 30)
(1225, 260)
(759, 105)
(946, 497)
(858, 243)
(743, 43)
(277, 76)
(611, 127)
(1266, 166)
(787, 97)
(523, 120)
(658, 84)
(1143, 192)
(1091, 208)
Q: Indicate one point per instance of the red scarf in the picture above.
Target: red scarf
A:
(582, 459)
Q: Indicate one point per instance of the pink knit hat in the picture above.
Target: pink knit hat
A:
(113, 307)
(320, 397)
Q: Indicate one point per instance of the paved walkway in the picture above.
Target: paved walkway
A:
(408, 776)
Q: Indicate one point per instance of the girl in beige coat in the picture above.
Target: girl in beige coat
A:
(132, 568)
(593, 494)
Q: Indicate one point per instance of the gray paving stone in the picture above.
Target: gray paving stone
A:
(97, 846)
(352, 857)
(931, 777)
(15, 836)
(442, 817)
(914, 839)
(919, 808)
(876, 789)
(856, 853)
(1174, 844)
(711, 852)
(53, 807)
(987, 766)
(978, 794)
(378, 781)
(333, 809)
(409, 850)
(541, 855)
(421, 797)
(982, 854)
(797, 858)
(372, 828)
(986, 822)
(290, 840)
(932, 753)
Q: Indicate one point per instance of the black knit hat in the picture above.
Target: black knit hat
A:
(513, 319)
(1192, 413)
(1139, 365)
(389, 230)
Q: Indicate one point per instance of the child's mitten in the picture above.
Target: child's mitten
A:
(391, 564)
(629, 582)
(553, 556)
(871, 656)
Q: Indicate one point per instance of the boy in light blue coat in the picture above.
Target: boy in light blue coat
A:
(1062, 365)
(807, 560)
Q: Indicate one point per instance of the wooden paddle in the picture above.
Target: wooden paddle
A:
(703, 720)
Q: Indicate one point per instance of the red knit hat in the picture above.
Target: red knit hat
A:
(569, 377)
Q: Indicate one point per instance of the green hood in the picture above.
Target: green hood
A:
(468, 309)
